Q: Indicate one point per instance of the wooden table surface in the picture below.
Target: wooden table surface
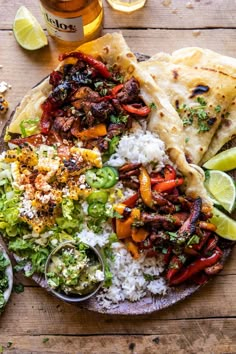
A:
(34, 321)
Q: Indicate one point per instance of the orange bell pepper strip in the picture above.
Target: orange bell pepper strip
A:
(92, 133)
(167, 185)
(119, 208)
(133, 249)
(145, 187)
(124, 227)
(139, 234)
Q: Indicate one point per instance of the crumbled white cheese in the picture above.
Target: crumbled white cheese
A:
(189, 5)
(4, 86)
(99, 275)
(166, 3)
(196, 33)
(26, 209)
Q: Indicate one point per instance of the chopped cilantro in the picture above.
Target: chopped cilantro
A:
(207, 175)
(186, 140)
(148, 277)
(118, 119)
(45, 340)
(182, 258)
(173, 235)
(152, 105)
(203, 127)
(193, 240)
(18, 288)
(218, 108)
(9, 344)
(196, 114)
(201, 101)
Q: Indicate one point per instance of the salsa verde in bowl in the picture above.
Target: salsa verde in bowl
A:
(74, 271)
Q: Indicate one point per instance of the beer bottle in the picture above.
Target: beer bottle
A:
(73, 21)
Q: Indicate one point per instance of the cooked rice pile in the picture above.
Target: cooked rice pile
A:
(131, 279)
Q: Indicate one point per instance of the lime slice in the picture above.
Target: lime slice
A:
(221, 187)
(224, 161)
(226, 227)
(28, 32)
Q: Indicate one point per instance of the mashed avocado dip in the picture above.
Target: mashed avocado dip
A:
(74, 269)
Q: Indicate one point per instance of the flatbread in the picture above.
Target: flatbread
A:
(205, 58)
(185, 85)
(164, 120)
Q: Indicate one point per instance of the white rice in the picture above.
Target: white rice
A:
(129, 276)
(139, 147)
(129, 281)
(92, 239)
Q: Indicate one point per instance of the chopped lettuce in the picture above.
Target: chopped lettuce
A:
(71, 219)
(27, 249)
(10, 222)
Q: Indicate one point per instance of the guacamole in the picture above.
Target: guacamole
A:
(74, 269)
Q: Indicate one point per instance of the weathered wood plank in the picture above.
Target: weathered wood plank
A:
(154, 15)
(40, 313)
(195, 336)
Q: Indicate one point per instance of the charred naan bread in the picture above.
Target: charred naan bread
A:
(205, 58)
(164, 120)
(201, 97)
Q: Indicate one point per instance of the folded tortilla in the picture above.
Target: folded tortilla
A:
(163, 120)
(205, 58)
(201, 96)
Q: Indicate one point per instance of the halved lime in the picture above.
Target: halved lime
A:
(28, 32)
(224, 161)
(221, 187)
(226, 227)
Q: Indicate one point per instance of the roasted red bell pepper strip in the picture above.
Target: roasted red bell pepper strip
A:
(116, 89)
(166, 258)
(196, 267)
(45, 120)
(174, 266)
(130, 202)
(96, 64)
(211, 244)
(205, 236)
(169, 173)
(142, 111)
(167, 185)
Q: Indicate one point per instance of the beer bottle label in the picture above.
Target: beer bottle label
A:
(66, 29)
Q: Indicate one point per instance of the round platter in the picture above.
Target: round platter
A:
(149, 303)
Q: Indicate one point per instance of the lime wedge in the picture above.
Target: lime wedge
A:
(224, 161)
(221, 187)
(226, 227)
(28, 32)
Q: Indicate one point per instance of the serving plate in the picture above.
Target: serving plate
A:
(149, 303)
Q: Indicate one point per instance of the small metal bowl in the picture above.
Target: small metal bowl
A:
(73, 298)
(9, 273)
